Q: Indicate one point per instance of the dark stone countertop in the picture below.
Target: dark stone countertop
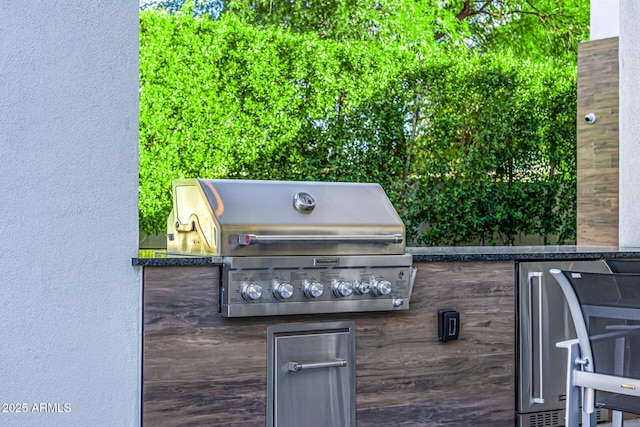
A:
(433, 254)
(161, 258)
(520, 253)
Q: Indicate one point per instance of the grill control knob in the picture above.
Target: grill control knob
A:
(283, 290)
(363, 288)
(313, 290)
(251, 291)
(342, 289)
(382, 287)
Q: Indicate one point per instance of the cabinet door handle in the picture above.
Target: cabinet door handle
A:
(295, 366)
(539, 275)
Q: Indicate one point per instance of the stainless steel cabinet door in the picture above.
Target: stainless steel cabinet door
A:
(543, 320)
(311, 375)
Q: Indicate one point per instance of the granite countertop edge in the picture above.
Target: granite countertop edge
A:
(441, 254)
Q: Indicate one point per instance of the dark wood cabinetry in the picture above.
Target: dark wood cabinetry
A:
(203, 369)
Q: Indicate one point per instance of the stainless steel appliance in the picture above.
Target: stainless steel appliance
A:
(295, 247)
(542, 320)
(311, 375)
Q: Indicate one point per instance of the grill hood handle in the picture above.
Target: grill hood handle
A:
(252, 239)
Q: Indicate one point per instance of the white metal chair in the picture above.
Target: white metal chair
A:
(623, 265)
(603, 363)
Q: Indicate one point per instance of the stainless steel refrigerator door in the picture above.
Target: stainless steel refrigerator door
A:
(311, 375)
(543, 320)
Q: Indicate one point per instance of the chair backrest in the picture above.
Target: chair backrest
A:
(623, 265)
(606, 313)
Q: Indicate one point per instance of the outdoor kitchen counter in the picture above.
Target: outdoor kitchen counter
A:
(519, 253)
(201, 368)
(441, 254)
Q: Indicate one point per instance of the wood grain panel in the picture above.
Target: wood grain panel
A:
(203, 369)
(597, 151)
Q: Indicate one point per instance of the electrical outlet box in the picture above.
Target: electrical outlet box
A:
(448, 325)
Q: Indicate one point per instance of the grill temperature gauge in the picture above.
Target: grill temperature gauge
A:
(304, 202)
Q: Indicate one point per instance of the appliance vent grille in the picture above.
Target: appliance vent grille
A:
(601, 415)
(547, 419)
(556, 418)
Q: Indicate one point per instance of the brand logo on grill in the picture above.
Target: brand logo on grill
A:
(326, 261)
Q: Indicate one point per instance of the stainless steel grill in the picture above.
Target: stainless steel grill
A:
(295, 247)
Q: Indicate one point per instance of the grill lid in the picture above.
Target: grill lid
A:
(265, 218)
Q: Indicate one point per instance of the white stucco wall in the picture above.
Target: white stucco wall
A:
(70, 301)
(605, 19)
(629, 231)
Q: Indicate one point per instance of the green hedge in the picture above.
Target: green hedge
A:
(468, 148)
(495, 153)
